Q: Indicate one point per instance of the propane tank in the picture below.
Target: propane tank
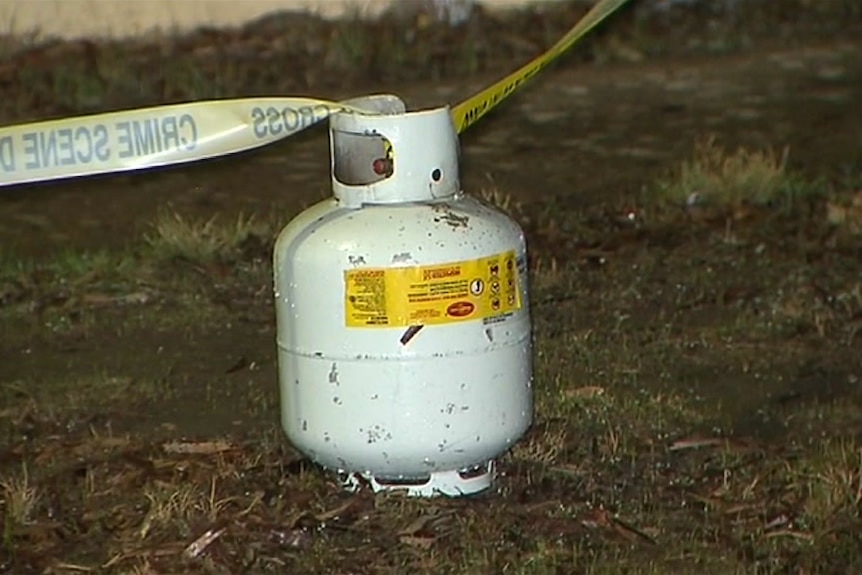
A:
(404, 335)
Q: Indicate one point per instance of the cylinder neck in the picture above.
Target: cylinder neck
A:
(393, 156)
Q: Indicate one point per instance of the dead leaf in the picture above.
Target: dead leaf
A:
(741, 508)
(630, 532)
(351, 507)
(781, 521)
(695, 443)
(601, 518)
(417, 525)
(417, 541)
(72, 567)
(808, 537)
(598, 518)
(198, 448)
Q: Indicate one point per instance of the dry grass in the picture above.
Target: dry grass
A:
(69, 268)
(715, 177)
(831, 483)
(20, 499)
(615, 475)
(626, 469)
(565, 503)
(168, 506)
(500, 198)
(205, 241)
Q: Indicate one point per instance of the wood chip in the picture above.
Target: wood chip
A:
(696, 443)
(201, 543)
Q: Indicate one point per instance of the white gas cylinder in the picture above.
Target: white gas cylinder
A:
(404, 337)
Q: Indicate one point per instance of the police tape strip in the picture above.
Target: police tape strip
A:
(152, 137)
(470, 110)
(180, 133)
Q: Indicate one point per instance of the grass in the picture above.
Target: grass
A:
(205, 241)
(696, 399)
(832, 483)
(70, 266)
(20, 500)
(70, 402)
(729, 180)
(625, 468)
(157, 283)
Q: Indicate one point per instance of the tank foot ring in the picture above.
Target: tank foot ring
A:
(457, 483)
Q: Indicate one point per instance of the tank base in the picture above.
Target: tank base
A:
(442, 483)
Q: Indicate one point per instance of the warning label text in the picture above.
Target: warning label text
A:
(447, 293)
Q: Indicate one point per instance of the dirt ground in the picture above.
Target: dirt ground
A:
(696, 297)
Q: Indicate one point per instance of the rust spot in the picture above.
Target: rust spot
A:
(447, 216)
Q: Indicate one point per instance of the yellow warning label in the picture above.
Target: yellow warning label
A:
(438, 294)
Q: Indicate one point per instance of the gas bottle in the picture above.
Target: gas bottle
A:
(403, 324)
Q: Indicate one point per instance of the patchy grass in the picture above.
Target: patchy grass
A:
(831, 483)
(697, 404)
(677, 429)
(70, 267)
(206, 241)
(185, 272)
(697, 407)
(730, 181)
(20, 500)
(61, 292)
(568, 502)
(503, 200)
(80, 395)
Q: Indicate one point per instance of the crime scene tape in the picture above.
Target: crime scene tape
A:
(179, 133)
(470, 110)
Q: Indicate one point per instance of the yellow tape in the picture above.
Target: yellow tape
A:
(180, 133)
(469, 111)
(150, 137)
